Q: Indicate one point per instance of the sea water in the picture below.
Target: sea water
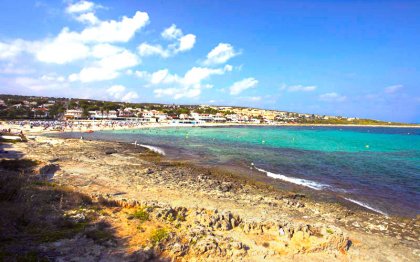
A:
(378, 168)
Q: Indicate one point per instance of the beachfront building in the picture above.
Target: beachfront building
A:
(111, 114)
(236, 118)
(127, 112)
(219, 118)
(73, 114)
(202, 117)
(161, 117)
(184, 116)
(40, 112)
(186, 122)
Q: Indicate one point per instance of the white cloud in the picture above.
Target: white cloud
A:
(113, 61)
(182, 43)
(89, 18)
(115, 31)
(220, 54)
(70, 46)
(332, 97)
(8, 51)
(240, 86)
(186, 43)
(93, 74)
(197, 74)
(194, 76)
(298, 88)
(16, 47)
(392, 89)
(80, 7)
(12, 69)
(104, 50)
(146, 49)
(171, 33)
(46, 82)
(63, 49)
(122, 60)
(130, 96)
(178, 93)
(118, 92)
(164, 77)
(188, 86)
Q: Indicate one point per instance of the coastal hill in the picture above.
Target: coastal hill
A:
(33, 107)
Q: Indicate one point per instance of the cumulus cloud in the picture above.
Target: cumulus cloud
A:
(89, 18)
(8, 51)
(113, 61)
(171, 33)
(98, 50)
(45, 82)
(220, 54)
(186, 43)
(240, 86)
(189, 85)
(12, 49)
(181, 43)
(393, 89)
(114, 31)
(118, 92)
(63, 49)
(12, 69)
(146, 49)
(298, 88)
(332, 97)
(69, 46)
(79, 7)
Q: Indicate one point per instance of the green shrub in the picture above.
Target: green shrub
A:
(141, 215)
(158, 235)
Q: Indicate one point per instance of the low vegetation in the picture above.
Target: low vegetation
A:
(141, 215)
(158, 235)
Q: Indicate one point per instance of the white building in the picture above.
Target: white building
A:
(73, 114)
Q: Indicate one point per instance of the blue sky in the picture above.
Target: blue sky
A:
(350, 58)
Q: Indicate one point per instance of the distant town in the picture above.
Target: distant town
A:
(49, 108)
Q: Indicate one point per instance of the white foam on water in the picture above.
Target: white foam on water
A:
(366, 206)
(155, 149)
(294, 180)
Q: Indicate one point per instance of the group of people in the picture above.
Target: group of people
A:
(74, 125)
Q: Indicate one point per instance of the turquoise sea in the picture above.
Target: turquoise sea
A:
(378, 168)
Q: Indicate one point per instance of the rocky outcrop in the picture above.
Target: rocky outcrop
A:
(207, 233)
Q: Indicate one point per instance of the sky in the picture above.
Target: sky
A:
(349, 58)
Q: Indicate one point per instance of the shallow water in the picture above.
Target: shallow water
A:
(375, 167)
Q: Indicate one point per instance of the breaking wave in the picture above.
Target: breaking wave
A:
(155, 149)
(366, 206)
(294, 180)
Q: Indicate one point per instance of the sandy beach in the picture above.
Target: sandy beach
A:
(200, 214)
(90, 125)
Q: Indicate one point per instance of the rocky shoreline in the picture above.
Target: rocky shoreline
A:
(204, 214)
